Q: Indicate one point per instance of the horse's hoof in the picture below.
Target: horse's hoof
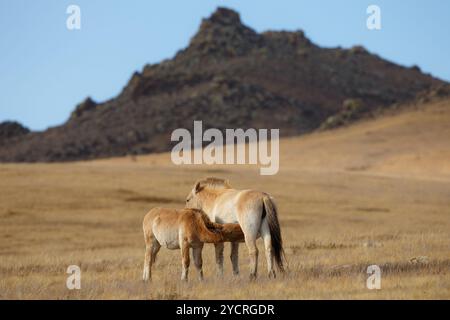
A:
(252, 277)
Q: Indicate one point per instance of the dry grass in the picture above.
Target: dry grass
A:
(336, 221)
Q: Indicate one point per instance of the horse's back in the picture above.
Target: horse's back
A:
(234, 205)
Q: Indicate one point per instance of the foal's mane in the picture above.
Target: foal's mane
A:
(213, 183)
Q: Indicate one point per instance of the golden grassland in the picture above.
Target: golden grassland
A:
(375, 193)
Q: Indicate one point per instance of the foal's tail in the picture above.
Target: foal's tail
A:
(208, 231)
(270, 212)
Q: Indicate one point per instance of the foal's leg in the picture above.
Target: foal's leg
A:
(155, 249)
(151, 250)
(235, 257)
(219, 258)
(185, 260)
(146, 273)
(198, 261)
(265, 234)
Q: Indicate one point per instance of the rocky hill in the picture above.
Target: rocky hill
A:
(229, 76)
(11, 129)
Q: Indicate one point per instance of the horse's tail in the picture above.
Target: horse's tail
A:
(208, 231)
(270, 213)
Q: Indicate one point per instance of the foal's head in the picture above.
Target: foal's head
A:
(199, 194)
(232, 232)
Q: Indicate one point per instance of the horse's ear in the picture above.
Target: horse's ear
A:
(198, 187)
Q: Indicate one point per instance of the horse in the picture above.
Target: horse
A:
(255, 212)
(183, 229)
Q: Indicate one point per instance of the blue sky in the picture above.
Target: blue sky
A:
(45, 69)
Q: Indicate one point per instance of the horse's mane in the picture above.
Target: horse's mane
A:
(214, 183)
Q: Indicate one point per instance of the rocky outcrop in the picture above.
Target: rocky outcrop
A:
(11, 129)
(83, 108)
(229, 76)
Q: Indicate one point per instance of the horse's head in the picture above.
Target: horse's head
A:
(199, 194)
(193, 199)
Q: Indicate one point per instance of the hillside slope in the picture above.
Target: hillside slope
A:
(413, 143)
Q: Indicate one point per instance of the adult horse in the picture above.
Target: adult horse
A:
(255, 212)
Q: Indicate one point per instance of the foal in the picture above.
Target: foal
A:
(183, 229)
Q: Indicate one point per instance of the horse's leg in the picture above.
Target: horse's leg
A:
(185, 260)
(235, 257)
(146, 275)
(250, 241)
(155, 249)
(251, 233)
(151, 250)
(265, 234)
(250, 222)
(219, 258)
(197, 253)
